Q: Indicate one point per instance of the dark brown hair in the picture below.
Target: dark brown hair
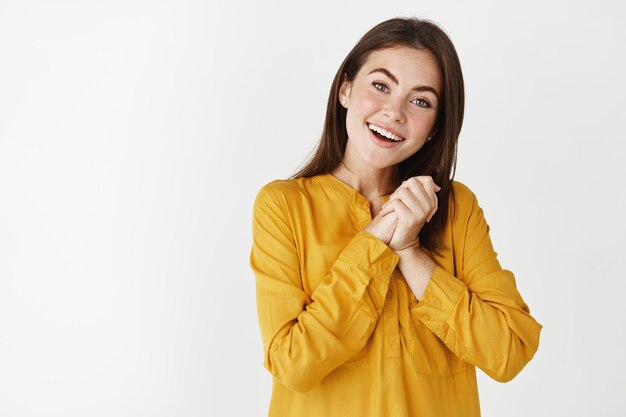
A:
(436, 157)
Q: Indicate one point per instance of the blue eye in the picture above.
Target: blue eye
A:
(382, 87)
(376, 84)
(421, 102)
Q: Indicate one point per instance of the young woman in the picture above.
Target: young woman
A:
(378, 289)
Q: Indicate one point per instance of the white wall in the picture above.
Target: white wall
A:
(135, 134)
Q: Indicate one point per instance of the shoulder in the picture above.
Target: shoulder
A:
(283, 191)
(462, 199)
(462, 192)
(282, 187)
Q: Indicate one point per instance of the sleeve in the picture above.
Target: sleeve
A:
(480, 316)
(306, 337)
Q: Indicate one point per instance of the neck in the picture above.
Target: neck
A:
(369, 182)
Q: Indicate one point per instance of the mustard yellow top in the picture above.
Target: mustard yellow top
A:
(343, 334)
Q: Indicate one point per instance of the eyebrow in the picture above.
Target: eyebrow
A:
(395, 80)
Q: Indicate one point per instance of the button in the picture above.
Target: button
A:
(274, 346)
(386, 264)
(390, 314)
(389, 294)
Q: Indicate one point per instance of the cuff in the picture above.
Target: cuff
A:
(439, 299)
(375, 260)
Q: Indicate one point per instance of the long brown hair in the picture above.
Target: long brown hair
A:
(436, 157)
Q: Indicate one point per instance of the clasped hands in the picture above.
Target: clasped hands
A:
(402, 217)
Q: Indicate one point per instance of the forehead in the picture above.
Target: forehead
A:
(410, 65)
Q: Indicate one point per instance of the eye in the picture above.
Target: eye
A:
(421, 102)
(383, 88)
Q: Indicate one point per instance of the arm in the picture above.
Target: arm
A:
(480, 315)
(305, 338)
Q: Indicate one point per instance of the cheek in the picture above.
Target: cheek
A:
(362, 106)
(409, 152)
(422, 124)
(368, 101)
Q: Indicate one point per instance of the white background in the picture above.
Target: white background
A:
(134, 136)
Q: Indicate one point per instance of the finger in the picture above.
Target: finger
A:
(424, 188)
(427, 179)
(408, 197)
(421, 196)
(434, 210)
(431, 190)
(385, 209)
(419, 206)
(388, 222)
(405, 215)
(395, 195)
(428, 185)
(388, 207)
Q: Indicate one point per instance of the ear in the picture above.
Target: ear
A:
(344, 93)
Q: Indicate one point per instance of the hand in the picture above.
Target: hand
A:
(383, 225)
(414, 203)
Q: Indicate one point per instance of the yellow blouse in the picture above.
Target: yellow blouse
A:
(343, 334)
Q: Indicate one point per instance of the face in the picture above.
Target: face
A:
(397, 89)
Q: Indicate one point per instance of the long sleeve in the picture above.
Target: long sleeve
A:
(480, 315)
(305, 337)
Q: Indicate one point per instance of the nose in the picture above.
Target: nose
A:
(393, 110)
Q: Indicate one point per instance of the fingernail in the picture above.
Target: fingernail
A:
(438, 188)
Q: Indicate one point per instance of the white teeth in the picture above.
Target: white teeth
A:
(385, 133)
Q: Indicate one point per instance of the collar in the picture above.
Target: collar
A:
(328, 180)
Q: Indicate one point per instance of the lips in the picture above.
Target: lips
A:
(383, 143)
(386, 132)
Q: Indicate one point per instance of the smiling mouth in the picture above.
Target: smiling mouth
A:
(382, 134)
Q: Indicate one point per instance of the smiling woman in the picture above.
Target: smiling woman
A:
(378, 289)
(390, 102)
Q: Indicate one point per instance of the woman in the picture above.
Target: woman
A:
(378, 289)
